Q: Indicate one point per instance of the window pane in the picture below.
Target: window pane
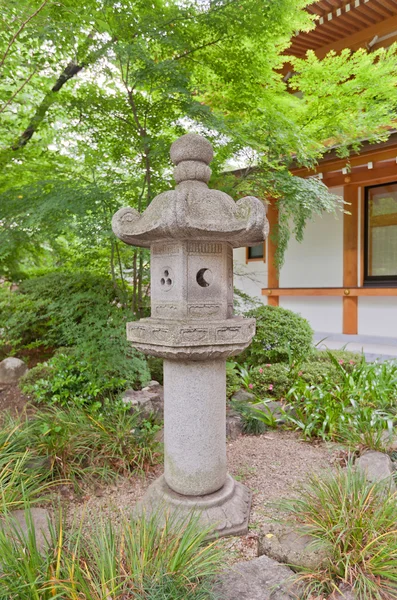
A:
(382, 231)
(255, 251)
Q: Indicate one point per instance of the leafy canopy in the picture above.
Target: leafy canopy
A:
(93, 93)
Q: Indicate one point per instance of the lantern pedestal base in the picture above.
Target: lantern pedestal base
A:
(226, 510)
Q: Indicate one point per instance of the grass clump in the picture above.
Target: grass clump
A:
(20, 477)
(71, 444)
(355, 521)
(141, 559)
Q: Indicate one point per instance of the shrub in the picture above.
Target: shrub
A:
(79, 311)
(270, 380)
(233, 379)
(143, 559)
(276, 379)
(355, 521)
(66, 380)
(281, 336)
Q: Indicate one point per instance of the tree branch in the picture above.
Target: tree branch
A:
(22, 27)
(70, 71)
(2, 109)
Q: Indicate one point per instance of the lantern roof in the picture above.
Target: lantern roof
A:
(193, 211)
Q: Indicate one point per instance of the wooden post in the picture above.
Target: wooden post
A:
(350, 260)
(272, 272)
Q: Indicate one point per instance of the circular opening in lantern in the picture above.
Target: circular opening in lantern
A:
(204, 277)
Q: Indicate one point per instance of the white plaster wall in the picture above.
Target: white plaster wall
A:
(324, 313)
(250, 277)
(377, 316)
(318, 260)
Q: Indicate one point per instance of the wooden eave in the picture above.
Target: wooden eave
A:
(348, 24)
(374, 162)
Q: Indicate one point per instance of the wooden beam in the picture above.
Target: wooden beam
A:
(350, 258)
(272, 269)
(338, 292)
(354, 161)
(361, 37)
(375, 176)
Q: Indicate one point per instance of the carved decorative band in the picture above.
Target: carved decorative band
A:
(204, 248)
(165, 249)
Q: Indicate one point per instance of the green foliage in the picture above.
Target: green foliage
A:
(233, 380)
(20, 479)
(66, 380)
(281, 335)
(256, 417)
(276, 379)
(142, 559)
(355, 522)
(74, 149)
(74, 445)
(80, 311)
(362, 404)
(271, 380)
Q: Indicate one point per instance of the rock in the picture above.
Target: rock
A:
(389, 439)
(234, 425)
(40, 519)
(345, 593)
(284, 544)
(149, 400)
(376, 466)
(12, 369)
(275, 408)
(258, 579)
(243, 396)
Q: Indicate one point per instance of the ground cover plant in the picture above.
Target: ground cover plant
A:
(357, 408)
(71, 445)
(355, 522)
(332, 395)
(141, 559)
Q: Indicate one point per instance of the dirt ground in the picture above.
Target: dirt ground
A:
(11, 398)
(271, 465)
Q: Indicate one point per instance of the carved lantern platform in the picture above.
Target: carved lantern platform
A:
(191, 232)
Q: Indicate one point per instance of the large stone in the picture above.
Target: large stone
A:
(234, 425)
(12, 369)
(286, 545)
(258, 579)
(149, 400)
(243, 396)
(389, 440)
(18, 525)
(376, 466)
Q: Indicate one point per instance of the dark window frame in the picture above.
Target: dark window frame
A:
(249, 258)
(374, 280)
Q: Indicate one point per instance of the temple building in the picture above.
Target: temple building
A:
(343, 276)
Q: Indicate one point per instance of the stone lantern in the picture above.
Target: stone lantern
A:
(191, 232)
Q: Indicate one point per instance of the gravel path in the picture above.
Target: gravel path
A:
(271, 465)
